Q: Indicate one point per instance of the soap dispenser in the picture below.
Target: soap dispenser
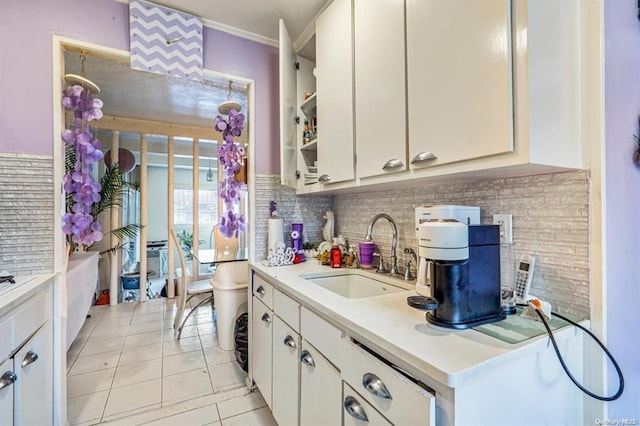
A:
(336, 254)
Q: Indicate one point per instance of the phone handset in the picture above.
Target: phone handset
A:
(524, 272)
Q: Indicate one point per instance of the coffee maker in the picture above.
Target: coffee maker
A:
(461, 265)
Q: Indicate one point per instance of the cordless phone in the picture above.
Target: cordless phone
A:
(524, 272)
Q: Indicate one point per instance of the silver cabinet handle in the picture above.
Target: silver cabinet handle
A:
(289, 341)
(260, 290)
(29, 358)
(392, 164)
(307, 359)
(7, 379)
(354, 409)
(266, 318)
(375, 386)
(324, 178)
(424, 156)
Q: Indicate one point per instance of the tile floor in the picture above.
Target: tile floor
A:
(127, 368)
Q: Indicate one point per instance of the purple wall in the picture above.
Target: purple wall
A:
(622, 200)
(26, 28)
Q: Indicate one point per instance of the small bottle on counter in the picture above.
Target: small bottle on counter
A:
(336, 254)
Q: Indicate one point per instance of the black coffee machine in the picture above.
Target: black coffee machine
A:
(461, 265)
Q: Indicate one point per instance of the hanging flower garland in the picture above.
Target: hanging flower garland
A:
(230, 158)
(80, 184)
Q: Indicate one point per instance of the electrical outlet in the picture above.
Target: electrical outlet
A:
(506, 227)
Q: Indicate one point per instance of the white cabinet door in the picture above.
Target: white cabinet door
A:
(286, 373)
(320, 389)
(334, 78)
(262, 356)
(7, 386)
(33, 365)
(288, 107)
(358, 412)
(380, 92)
(459, 75)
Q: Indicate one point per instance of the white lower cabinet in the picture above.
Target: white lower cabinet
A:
(262, 354)
(7, 386)
(320, 389)
(357, 411)
(286, 373)
(33, 366)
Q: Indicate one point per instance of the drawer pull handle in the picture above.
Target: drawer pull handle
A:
(354, 409)
(260, 290)
(375, 386)
(7, 379)
(324, 178)
(266, 318)
(392, 165)
(307, 359)
(289, 341)
(424, 156)
(29, 358)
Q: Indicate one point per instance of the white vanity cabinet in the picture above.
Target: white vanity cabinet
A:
(320, 389)
(286, 373)
(261, 346)
(380, 87)
(27, 353)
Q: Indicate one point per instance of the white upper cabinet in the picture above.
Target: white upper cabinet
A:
(459, 74)
(334, 79)
(288, 108)
(380, 92)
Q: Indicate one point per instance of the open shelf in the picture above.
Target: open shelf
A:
(310, 146)
(309, 106)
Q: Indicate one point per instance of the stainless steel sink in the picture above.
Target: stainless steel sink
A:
(355, 284)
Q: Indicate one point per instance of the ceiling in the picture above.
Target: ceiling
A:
(253, 19)
(147, 96)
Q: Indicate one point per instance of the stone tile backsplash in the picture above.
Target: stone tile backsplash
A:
(550, 220)
(306, 209)
(26, 213)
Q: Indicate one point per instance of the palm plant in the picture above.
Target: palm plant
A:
(113, 190)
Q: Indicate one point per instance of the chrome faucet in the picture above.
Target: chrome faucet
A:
(394, 240)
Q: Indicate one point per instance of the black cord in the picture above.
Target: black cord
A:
(564, 366)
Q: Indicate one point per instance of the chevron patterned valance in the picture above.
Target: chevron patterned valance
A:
(164, 40)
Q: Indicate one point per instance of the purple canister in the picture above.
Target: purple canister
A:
(366, 254)
(296, 239)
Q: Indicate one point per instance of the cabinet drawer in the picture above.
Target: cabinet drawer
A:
(31, 316)
(263, 291)
(287, 309)
(358, 412)
(324, 336)
(399, 399)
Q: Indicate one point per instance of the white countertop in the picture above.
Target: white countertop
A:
(449, 356)
(10, 293)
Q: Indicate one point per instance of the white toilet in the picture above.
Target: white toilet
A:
(230, 284)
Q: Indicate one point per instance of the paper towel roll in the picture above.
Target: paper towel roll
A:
(276, 233)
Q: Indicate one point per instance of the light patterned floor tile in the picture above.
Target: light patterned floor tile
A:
(143, 339)
(235, 406)
(87, 364)
(187, 331)
(181, 387)
(98, 346)
(86, 407)
(227, 376)
(181, 363)
(142, 318)
(137, 354)
(95, 381)
(196, 417)
(259, 417)
(134, 396)
(136, 373)
(145, 327)
(185, 344)
(218, 356)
